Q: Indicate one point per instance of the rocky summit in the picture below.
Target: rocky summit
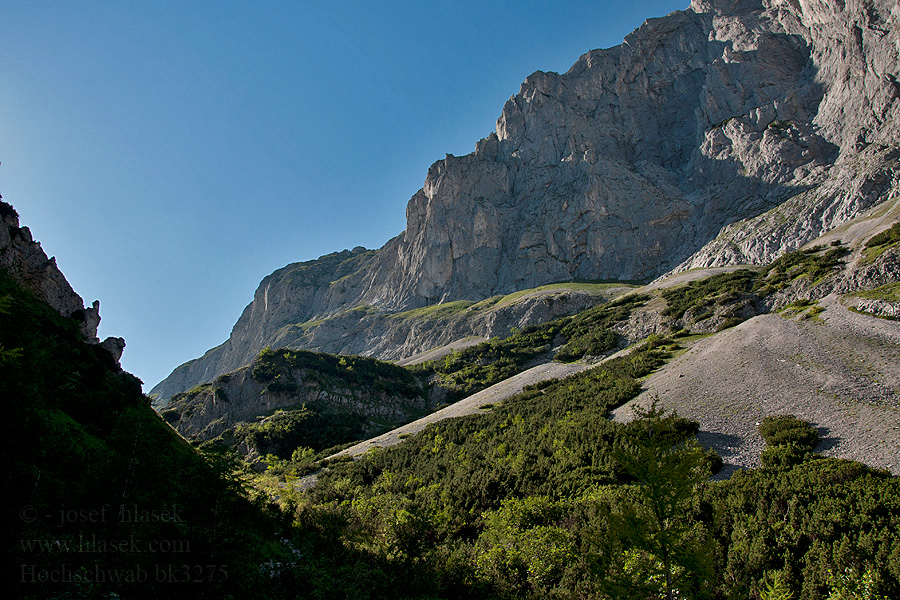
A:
(726, 133)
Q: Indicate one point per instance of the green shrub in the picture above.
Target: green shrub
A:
(593, 343)
(812, 263)
(888, 236)
(851, 585)
(714, 460)
(783, 456)
(780, 430)
(718, 289)
(776, 588)
(477, 367)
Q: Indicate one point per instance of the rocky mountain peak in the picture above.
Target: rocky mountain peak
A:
(726, 133)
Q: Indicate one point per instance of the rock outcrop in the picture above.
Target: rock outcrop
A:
(377, 395)
(26, 262)
(365, 330)
(726, 133)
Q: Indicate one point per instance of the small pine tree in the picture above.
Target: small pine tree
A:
(777, 588)
(667, 472)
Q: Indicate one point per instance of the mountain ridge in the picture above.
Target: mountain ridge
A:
(663, 153)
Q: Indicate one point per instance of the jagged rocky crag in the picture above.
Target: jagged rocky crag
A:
(25, 260)
(726, 133)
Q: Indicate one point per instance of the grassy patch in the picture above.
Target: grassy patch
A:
(449, 309)
(813, 313)
(802, 308)
(795, 308)
(307, 325)
(435, 311)
(486, 303)
(889, 293)
(358, 311)
(361, 310)
(870, 255)
(598, 288)
(880, 243)
(886, 237)
(685, 335)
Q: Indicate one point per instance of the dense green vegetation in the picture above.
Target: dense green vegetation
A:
(467, 495)
(478, 367)
(543, 496)
(812, 263)
(309, 426)
(697, 295)
(789, 441)
(880, 243)
(810, 523)
(366, 383)
(726, 294)
(588, 331)
(278, 369)
(97, 488)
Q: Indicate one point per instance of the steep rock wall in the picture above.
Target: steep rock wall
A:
(726, 133)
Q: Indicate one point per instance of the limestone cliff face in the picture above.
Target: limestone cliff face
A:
(728, 132)
(853, 51)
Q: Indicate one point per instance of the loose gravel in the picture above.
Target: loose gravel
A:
(840, 371)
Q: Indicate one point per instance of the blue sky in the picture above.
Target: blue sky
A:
(172, 154)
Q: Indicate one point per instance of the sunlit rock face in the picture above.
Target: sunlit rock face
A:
(726, 133)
